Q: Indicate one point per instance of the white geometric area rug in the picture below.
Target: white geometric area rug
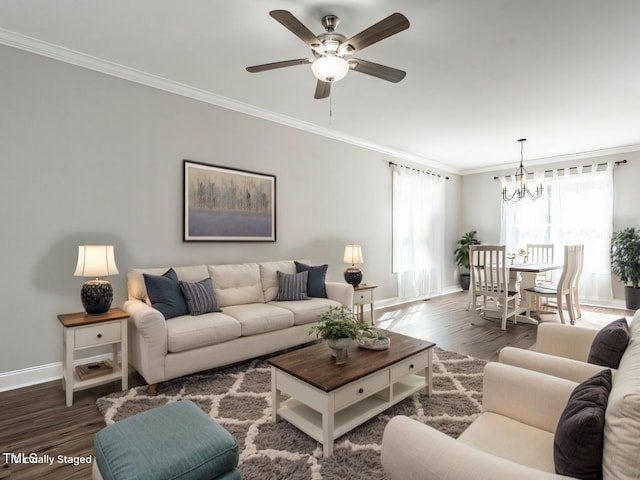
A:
(239, 399)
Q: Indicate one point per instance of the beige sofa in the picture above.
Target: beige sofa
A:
(251, 323)
(513, 437)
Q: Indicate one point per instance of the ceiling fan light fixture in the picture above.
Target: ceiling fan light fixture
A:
(330, 68)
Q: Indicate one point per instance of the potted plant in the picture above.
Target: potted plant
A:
(339, 326)
(625, 263)
(462, 257)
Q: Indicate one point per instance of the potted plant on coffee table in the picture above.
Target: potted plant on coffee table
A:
(625, 263)
(462, 257)
(339, 326)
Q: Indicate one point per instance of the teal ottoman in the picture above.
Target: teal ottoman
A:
(177, 441)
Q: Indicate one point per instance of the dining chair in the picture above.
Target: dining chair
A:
(490, 280)
(566, 287)
(575, 297)
(541, 253)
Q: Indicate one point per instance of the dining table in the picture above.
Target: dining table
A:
(523, 276)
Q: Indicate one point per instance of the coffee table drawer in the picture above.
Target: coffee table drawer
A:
(360, 389)
(410, 365)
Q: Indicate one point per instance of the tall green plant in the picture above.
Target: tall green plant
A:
(625, 255)
(462, 252)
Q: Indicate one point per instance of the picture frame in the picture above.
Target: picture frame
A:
(223, 204)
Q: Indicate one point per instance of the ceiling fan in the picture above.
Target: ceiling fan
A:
(331, 51)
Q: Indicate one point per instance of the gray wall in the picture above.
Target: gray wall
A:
(482, 216)
(88, 158)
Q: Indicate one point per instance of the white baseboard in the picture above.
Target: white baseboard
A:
(40, 374)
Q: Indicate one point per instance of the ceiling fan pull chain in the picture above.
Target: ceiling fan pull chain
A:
(330, 105)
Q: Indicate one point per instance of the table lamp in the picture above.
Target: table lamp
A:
(353, 255)
(96, 261)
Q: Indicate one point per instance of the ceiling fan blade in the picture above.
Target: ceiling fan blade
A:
(296, 27)
(274, 65)
(391, 25)
(376, 70)
(323, 89)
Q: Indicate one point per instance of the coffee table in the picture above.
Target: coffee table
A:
(328, 400)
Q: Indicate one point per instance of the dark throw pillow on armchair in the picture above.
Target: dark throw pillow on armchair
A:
(609, 344)
(579, 437)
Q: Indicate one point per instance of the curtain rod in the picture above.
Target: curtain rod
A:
(418, 170)
(596, 165)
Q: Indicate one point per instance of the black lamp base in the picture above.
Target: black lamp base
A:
(353, 276)
(96, 296)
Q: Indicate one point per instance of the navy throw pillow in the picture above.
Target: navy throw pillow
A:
(165, 295)
(199, 297)
(292, 286)
(316, 280)
(579, 437)
(609, 344)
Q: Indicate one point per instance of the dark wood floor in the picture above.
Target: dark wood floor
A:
(35, 419)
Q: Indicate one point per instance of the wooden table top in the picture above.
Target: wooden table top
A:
(79, 319)
(316, 366)
(534, 267)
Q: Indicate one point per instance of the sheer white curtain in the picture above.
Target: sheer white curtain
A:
(418, 231)
(576, 208)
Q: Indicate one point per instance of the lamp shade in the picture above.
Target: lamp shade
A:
(330, 68)
(96, 261)
(353, 254)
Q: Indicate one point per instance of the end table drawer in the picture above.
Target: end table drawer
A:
(361, 389)
(363, 296)
(97, 334)
(411, 365)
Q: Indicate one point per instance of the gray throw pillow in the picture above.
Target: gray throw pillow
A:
(609, 344)
(579, 437)
(292, 286)
(316, 280)
(165, 295)
(199, 296)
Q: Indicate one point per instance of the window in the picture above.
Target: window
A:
(418, 231)
(576, 208)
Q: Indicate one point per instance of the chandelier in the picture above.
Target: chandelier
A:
(521, 189)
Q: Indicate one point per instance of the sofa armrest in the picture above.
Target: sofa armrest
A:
(567, 368)
(147, 340)
(566, 341)
(414, 451)
(526, 396)
(340, 292)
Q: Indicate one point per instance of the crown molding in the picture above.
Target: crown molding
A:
(56, 52)
(558, 159)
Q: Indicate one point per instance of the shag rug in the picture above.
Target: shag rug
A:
(239, 398)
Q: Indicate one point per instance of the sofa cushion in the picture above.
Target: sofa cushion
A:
(236, 284)
(292, 286)
(199, 296)
(578, 441)
(165, 295)
(256, 318)
(609, 344)
(269, 276)
(622, 418)
(187, 332)
(307, 311)
(317, 279)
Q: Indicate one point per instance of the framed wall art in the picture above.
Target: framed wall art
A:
(224, 204)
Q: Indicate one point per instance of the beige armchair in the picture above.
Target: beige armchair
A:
(512, 438)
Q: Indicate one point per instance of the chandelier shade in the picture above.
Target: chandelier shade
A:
(521, 189)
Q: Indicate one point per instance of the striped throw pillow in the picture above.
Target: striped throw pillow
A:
(292, 286)
(199, 297)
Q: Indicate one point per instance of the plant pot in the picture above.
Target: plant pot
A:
(632, 298)
(465, 281)
(340, 347)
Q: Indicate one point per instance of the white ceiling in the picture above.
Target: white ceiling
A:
(565, 74)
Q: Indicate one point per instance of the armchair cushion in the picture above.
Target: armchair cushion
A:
(609, 344)
(165, 295)
(578, 441)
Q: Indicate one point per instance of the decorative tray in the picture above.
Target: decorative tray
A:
(378, 343)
